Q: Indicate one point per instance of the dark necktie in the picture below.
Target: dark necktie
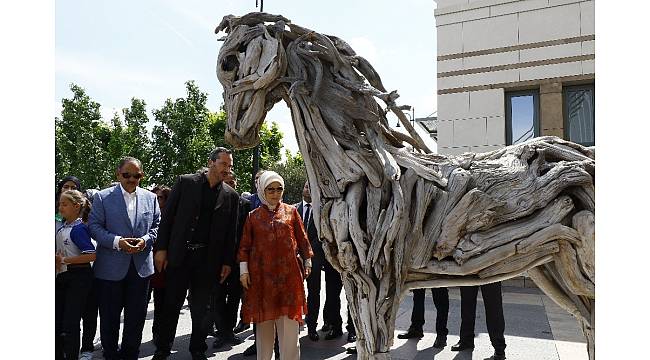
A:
(307, 214)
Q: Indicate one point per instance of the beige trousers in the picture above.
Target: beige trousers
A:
(287, 338)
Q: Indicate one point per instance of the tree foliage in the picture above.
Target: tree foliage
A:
(181, 140)
(80, 136)
(294, 174)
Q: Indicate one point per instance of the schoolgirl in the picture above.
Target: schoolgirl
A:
(74, 276)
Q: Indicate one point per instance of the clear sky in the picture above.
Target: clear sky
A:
(147, 49)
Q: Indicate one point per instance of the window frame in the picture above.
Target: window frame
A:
(565, 109)
(508, 97)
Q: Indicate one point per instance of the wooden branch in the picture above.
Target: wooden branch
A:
(518, 262)
(584, 223)
(476, 243)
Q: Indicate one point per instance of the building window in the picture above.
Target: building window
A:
(579, 114)
(522, 116)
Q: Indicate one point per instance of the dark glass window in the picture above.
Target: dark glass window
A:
(522, 116)
(579, 114)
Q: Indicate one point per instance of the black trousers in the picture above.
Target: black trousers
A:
(89, 320)
(129, 294)
(440, 300)
(70, 296)
(313, 290)
(492, 300)
(158, 305)
(194, 274)
(225, 303)
(332, 307)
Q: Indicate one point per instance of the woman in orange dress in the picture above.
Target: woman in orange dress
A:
(270, 271)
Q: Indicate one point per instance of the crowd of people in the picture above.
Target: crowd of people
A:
(203, 242)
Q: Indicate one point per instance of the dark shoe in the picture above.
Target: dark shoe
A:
(233, 340)
(500, 356)
(352, 337)
(241, 327)
(460, 346)
(313, 335)
(441, 342)
(251, 350)
(333, 334)
(211, 331)
(326, 328)
(411, 334)
(199, 356)
(160, 355)
(351, 350)
(218, 342)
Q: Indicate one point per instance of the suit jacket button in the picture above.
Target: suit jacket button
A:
(191, 229)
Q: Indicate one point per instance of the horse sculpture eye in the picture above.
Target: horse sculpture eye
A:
(230, 63)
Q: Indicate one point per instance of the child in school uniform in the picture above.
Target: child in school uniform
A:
(74, 276)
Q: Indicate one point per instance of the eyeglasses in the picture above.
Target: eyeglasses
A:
(274, 190)
(127, 175)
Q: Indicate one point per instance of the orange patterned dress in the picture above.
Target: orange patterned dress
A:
(269, 243)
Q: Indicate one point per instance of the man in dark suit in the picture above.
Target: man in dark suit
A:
(124, 222)
(313, 281)
(196, 246)
(333, 284)
(493, 302)
(225, 303)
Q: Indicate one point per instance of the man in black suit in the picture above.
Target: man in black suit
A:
(225, 303)
(313, 281)
(196, 246)
(333, 283)
(493, 302)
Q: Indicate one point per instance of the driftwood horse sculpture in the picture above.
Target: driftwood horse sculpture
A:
(391, 215)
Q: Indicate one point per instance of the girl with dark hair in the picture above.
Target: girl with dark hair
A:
(67, 183)
(74, 275)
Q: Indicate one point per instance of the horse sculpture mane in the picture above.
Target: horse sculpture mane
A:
(391, 215)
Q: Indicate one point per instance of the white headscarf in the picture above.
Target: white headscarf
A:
(265, 179)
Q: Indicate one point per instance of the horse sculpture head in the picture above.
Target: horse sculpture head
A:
(250, 64)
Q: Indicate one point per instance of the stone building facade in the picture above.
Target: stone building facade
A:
(510, 70)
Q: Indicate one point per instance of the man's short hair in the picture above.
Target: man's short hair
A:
(128, 159)
(214, 154)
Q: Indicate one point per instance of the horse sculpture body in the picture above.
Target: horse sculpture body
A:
(391, 215)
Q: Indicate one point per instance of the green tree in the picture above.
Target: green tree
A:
(130, 138)
(270, 147)
(181, 140)
(294, 174)
(80, 135)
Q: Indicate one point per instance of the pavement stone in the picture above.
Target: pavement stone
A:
(536, 328)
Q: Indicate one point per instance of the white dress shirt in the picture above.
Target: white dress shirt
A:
(131, 201)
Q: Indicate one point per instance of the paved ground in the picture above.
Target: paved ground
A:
(536, 328)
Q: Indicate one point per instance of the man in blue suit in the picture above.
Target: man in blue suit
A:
(124, 222)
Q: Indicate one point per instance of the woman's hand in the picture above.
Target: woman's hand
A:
(245, 280)
(307, 271)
